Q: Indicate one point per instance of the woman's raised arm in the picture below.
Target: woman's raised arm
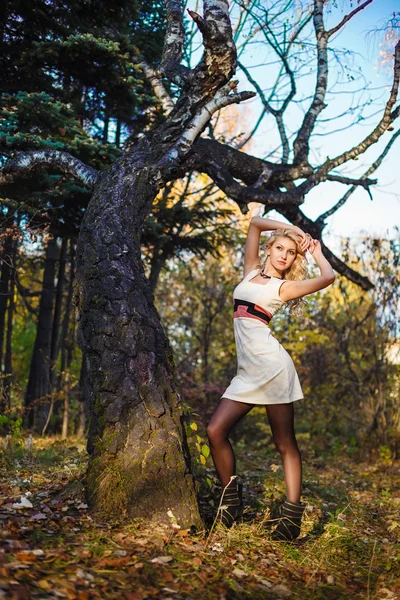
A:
(257, 225)
(297, 289)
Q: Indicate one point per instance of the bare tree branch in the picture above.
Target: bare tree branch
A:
(244, 194)
(301, 144)
(348, 17)
(365, 183)
(349, 192)
(345, 270)
(63, 161)
(387, 118)
(276, 112)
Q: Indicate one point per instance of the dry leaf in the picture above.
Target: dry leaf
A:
(239, 573)
(162, 560)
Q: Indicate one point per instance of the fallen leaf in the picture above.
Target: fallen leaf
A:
(162, 560)
(25, 503)
(281, 590)
(239, 573)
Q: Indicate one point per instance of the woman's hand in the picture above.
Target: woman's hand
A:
(306, 238)
(315, 249)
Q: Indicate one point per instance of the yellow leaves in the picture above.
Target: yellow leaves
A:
(44, 584)
(393, 525)
(205, 450)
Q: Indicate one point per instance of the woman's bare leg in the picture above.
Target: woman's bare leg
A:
(281, 420)
(226, 416)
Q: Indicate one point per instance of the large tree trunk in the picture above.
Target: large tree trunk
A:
(38, 389)
(138, 455)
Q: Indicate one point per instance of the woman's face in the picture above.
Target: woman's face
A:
(282, 253)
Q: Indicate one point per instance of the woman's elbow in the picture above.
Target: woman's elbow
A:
(330, 279)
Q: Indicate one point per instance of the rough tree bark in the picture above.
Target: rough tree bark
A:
(138, 456)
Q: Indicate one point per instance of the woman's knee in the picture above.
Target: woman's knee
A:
(285, 445)
(216, 433)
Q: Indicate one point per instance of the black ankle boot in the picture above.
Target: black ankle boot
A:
(289, 524)
(230, 507)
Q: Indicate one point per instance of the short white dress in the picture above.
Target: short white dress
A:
(266, 373)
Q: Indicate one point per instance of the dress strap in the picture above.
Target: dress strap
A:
(251, 274)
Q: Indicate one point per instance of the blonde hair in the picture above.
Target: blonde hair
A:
(298, 269)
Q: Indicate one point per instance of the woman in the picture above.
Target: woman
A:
(266, 374)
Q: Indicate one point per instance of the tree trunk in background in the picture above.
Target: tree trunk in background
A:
(67, 388)
(38, 389)
(10, 316)
(55, 336)
(157, 264)
(5, 278)
(138, 456)
(65, 344)
(4, 285)
(82, 402)
(105, 129)
(118, 134)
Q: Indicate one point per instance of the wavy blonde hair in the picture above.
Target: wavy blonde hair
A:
(297, 270)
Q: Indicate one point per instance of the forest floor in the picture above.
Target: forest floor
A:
(52, 547)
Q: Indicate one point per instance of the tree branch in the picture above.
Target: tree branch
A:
(301, 144)
(276, 112)
(314, 228)
(154, 78)
(349, 192)
(246, 167)
(198, 123)
(244, 194)
(25, 162)
(365, 183)
(219, 60)
(345, 270)
(387, 118)
(20, 206)
(347, 18)
(173, 46)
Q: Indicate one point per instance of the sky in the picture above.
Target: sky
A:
(360, 35)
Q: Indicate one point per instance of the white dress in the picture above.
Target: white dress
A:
(266, 373)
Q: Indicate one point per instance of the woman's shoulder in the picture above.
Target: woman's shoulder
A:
(250, 269)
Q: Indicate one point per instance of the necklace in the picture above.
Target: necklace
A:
(267, 276)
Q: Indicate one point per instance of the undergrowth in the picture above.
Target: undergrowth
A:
(349, 547)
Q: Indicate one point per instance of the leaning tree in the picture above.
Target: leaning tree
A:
(138, 455)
